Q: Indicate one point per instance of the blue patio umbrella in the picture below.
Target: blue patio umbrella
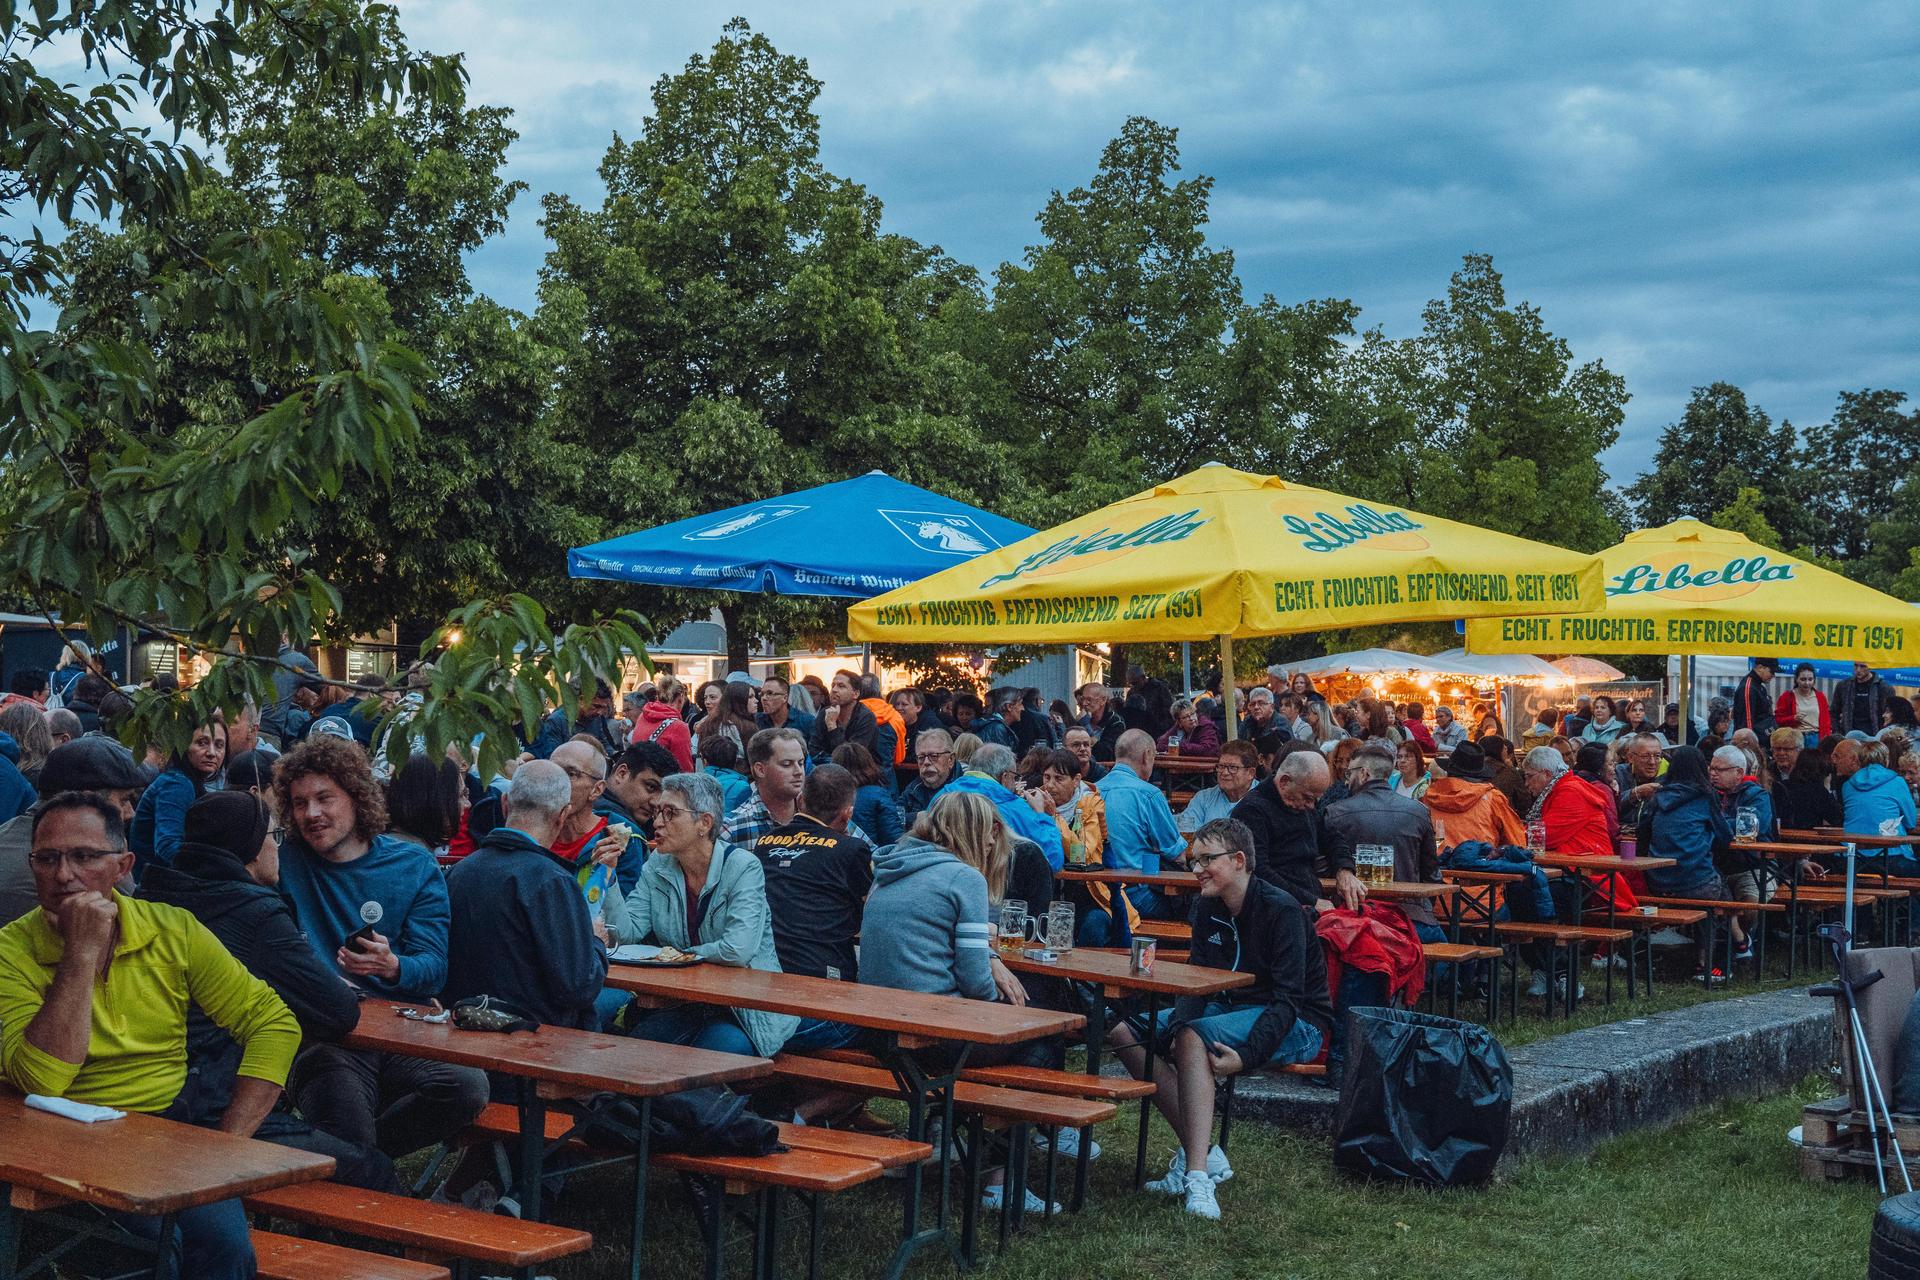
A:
(854, 538)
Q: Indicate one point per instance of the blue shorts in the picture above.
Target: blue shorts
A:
(1230, 1028)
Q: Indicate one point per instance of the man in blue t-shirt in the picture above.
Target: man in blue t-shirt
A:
(344, 876)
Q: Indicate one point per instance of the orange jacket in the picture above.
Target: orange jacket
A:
(1473, 811)
(883, 712)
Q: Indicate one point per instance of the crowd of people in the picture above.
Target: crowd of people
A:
(272, 875)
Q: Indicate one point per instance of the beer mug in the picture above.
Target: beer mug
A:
(1536, 837)
(1375, 862)
(1060, 927)
(1746, 823)
(1439, 835)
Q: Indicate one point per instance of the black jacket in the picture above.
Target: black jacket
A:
(1873, 695)
(257, 925)
(857, 724)
(521, 931)
(1753, 705)
(1273, 939)
(1377, 814)
(1286, 842)
(1805, 802)
(1106, 734)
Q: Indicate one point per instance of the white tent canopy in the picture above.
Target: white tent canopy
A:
(1519, 668)
(1372, 662)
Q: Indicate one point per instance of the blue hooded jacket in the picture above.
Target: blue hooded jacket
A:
(16, 793)
(1878, 802)
(1026, 822)
(1686, 825)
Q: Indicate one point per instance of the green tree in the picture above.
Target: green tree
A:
(1722, 444)
(1125, 345)
(732, 323)
(381, 201)
(1744, 516)
(116, 512)
(1862, 496)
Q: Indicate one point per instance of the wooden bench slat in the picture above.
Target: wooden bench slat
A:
(1665, 917)
(291, 1258)
(1458, 952)
(1066, 1084)
(888, 1153)
(435, 1229)
(1561, 932)
(988, 1100)
(797, 1169)
(1710, 904)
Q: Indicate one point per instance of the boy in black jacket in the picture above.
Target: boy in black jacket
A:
(1251, 926)
(225, 876)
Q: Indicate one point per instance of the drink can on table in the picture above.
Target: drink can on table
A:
(1141, 961)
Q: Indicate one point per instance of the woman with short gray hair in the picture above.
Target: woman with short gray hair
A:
(705, 897)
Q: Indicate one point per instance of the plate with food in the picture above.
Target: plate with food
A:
(640, 953)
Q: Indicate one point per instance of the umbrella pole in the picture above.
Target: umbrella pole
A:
(866, 657)
(1226, 685)
(1685, 699)
(1186, 666)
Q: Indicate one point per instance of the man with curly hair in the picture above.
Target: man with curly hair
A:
(344, 874)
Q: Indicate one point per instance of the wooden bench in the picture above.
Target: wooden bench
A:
(1570, 936)
(425, 1230)
(1066, 1084)
(1459, 954)
(291, 1258)
(819, 1163)
(1712, 909)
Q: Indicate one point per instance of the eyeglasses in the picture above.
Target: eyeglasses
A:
(79, 859)
(1224, 767)
(1199, 860)
(579, 775)
(936, 755)
(668, 812)
(276, 834)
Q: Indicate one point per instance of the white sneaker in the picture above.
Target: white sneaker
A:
(1067, 1144)
(996, 1195)
(1560, 989)
(1538, 987)
(1175, 1183)
(1600, 962)
(1201, 1202)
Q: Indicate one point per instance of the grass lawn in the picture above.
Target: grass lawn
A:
(1720, 1195)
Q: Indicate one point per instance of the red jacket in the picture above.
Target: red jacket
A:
(661, 724)
(1418, 731)
(1378, 938)
(1786, 712)
(1577, 816)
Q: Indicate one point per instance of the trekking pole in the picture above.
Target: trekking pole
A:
(1846, 916)
(1866, 1077)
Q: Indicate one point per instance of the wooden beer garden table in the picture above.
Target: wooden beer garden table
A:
(1830, 842)
(138, 1164)
(908, 1022)
(1111, 972)
(1173, 881)
(560, 1064)
(1582, 867)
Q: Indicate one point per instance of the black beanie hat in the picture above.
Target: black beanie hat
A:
(233, 822)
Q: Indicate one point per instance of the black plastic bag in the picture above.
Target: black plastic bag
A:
(1424, 1100)
(707, 1121)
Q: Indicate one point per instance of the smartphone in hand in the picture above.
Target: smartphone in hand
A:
(358, 939)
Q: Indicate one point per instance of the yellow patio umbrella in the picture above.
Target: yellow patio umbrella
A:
(1221, 553)
(1688, 587)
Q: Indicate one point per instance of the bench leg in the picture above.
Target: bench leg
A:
(1146, 1104)
(1053, 1138)
(970, 1207)
(715, 1227)
(9, 1232)
(817, 1212)
(642, 1137)
(1015, 1174)
(533, 1149)
(766, 1242)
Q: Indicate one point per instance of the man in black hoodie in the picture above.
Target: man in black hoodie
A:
(225, 875)
(1283, 817)
(521, 930)
(1243, 924)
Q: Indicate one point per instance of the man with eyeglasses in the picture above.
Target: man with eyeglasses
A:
(586, 836)
(933, 752)
(98, 765)
(1233, 778)
(1247, 925)
(94, 992)
(776, 708)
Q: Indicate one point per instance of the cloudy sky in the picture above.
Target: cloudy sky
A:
(1689, 193)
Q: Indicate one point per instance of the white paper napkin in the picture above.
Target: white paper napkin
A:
(84, 1112)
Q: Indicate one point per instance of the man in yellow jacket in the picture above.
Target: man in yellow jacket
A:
(94, 991)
